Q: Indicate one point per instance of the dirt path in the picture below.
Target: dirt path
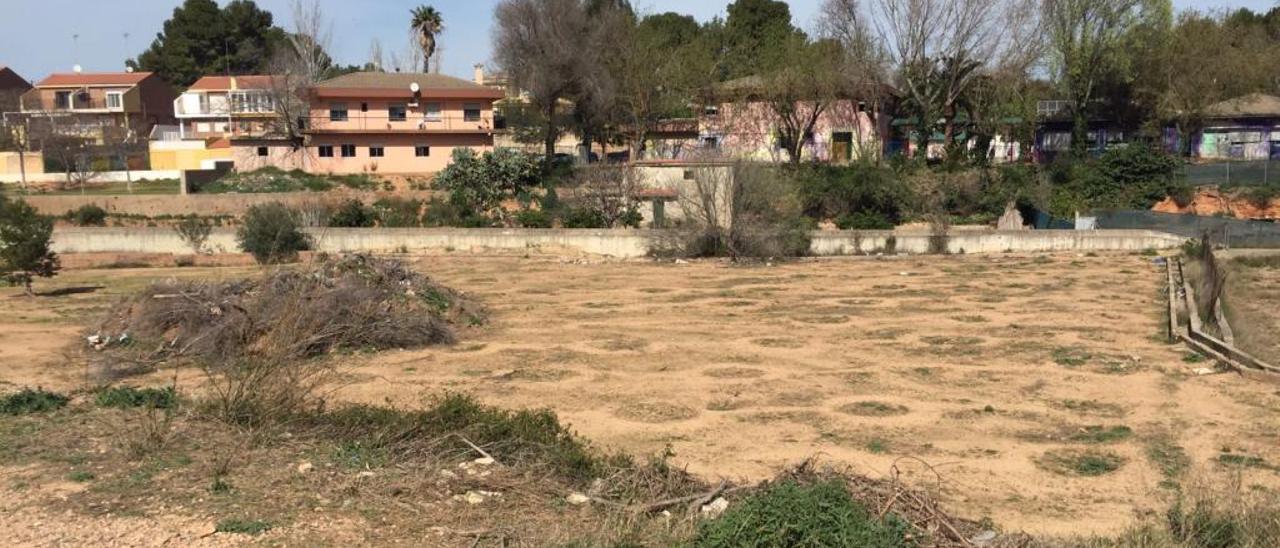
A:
(984, 367)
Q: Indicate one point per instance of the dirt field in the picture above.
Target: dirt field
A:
(1014, 377)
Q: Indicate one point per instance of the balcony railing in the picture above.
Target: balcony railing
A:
(362, 121)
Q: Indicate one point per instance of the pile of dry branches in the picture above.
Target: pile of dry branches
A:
(353, 302)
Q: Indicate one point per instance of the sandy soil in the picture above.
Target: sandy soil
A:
(983, 367)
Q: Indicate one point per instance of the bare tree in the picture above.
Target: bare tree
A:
(122, 142)
(311, 37)
(610, 190)
(539, 44)
(938, 48)
(862, 61)
(75, 157)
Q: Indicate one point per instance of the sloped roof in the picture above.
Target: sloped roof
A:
(68, 79)
(9, 79)
(1254, 105)
(396, 84)
(225, 83)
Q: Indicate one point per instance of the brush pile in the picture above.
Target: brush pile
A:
(347, 303)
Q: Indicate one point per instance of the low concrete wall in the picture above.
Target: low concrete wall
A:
(154, 205)
(615, 243)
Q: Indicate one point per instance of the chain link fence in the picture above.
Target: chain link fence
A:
(1225, 230)
(1251, 173)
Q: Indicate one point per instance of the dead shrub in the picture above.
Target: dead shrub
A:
(354, 302)
(741, 212)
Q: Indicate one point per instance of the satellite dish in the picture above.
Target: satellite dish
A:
(128, 69)
(77, 69)
(414, 87)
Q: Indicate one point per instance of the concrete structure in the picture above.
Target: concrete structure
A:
(672, 190)
(616, 243)
(394, 123)
(100, 177)
(1243, 128)
(12, 164)
(87, 104)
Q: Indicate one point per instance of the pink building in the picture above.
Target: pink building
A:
(740, 125)
(396, 123)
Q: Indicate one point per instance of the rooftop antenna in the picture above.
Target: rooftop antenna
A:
(126, 52)
(75, 50)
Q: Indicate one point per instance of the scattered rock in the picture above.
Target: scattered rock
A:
(485, 461)
(476, 497)
(366, 474)
(715, 508)
(984, 538)
(305, 467)
(448, 474)
(577, 499)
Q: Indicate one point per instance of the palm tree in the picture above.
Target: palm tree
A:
(426, 24)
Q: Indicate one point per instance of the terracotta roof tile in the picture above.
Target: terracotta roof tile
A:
(93, 79)
(224, 83)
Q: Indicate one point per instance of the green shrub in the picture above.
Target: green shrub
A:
(87, 215)
(398, 212)
(533, 218)
(445, 213)
(28, 401)
(792, 514)
(864, 220)
(25, 239)
(861, 192)
(1261, 196)
(583, 217)
(478, 185)
(352, 214)
(271, 234)
(124, 397)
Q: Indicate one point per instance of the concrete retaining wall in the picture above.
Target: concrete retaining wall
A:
(616, 243)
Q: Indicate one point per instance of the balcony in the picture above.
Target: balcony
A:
(367, 122)
(213, 105)
(37, 100)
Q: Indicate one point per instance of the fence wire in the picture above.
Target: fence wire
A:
(1225, 230)
(1252, 173)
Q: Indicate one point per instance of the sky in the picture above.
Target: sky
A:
(38, 37)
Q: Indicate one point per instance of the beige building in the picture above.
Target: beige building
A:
(214, 110)
(393, 123)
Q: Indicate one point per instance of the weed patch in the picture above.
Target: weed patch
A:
(873, 409)
(789, 513)
(28, 401)
(243, 526)
(124, 397)
(1101, 434)
(1081, 463)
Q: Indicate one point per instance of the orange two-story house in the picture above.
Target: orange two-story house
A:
(396, 123)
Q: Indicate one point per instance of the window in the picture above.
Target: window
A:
(471, 112)
(433, 112)
(62, 99)
(115, 100)
(348, 151)
(376, 151)
(364, 107)
(710, 110)
(337, 112)
(422, 151)
(397, 113)
(326, 151)
(262, 152)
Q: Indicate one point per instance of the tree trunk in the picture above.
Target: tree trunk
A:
(549, 138)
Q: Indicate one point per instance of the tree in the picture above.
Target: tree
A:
(478, 185)
(194, 231)
(796, 96)
(25, 238)
(657, 73)
(1085, 36)
(756, 33)
(540, 45)
(426, 24)
(862, 61)
(200, 39)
